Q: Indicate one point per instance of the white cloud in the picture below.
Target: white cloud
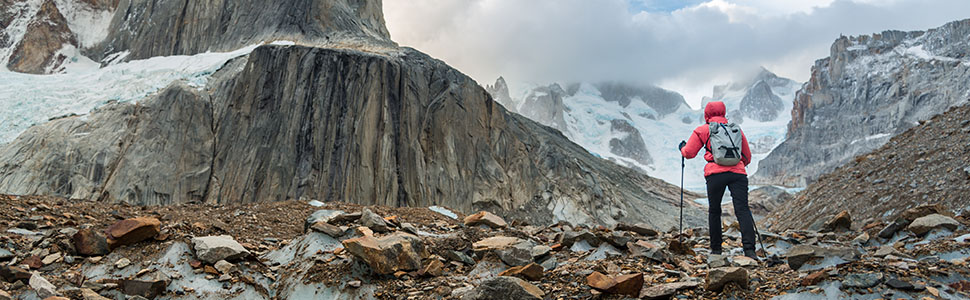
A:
(690, 48)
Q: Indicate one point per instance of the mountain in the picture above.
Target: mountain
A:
(40, 36)
(640, 126)
(870, 88)
(352, 118)
(925, 165)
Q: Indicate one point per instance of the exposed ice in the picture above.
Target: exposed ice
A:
(27, 99)
(443, 211)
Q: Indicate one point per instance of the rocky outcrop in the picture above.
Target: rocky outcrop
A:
(46, 34)
(869, 89)
(157, 28)
(112, 31)
(924, 165)
(760, 103)
(631, 145)
(544, 105)
(500, 92)
(398, 129)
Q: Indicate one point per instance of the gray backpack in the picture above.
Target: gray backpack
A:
(725, 143)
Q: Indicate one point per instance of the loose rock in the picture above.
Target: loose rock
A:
(718, 278)
(212, 249)
(388, 254)
(487, 218)
(148, 289)
(504, 288)
(89, 242)
(531, 272)
(840, 223)
(43, 287)
(925, 224)
(130, 231)
(373, 221)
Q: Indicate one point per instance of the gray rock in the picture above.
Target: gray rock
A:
(862, 280)
(328, 229)
(373, 221)
(718, 278)
(541, 251)
(802, 254)
(550, 263)
(631, 145)
(409, 228)
(459, 257)
(212, 249)
(925, 224)
(717, 261)
(504, 288)
(760, 103)
(323, 215)
(571, 237)
(224, 267)
(604, 251)
(6, 254)
(666, 290)
(900, 285)
(639, 228)
(43, 287)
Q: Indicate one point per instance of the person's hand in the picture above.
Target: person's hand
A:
(682, 144)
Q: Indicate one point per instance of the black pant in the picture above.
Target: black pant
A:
(738, 184)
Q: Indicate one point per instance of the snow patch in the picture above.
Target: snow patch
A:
(444, 211)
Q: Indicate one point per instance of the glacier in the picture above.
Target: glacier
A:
(28, 99)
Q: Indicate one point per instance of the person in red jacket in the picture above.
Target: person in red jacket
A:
(718, 177)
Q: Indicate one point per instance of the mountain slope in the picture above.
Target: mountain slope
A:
(360, 122)
(870, 89)
(927, 164)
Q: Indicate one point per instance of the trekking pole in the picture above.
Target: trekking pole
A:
(761, 241)
(682, 164)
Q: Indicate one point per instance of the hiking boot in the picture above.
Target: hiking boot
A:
(751, 254)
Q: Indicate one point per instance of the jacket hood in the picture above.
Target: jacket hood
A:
(714, 109)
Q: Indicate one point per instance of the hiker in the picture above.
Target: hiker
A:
(724, 169)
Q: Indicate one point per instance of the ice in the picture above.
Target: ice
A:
(27, 99)
(283, 43)
(602, 252)
(443, 211)
(304, 247)
(315, 203)
(830, 291)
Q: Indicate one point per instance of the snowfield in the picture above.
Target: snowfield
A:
(27, 99)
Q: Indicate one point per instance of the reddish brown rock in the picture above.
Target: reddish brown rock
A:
(386, 255)
(89, 242)
(13, 274)
(46, 34)
(147, 289)
(600, 281)
(487, 218)
(840, 223)
(130, 231)
(433, 268)
(815, 278)
(532, 272)
(628, 285)
(34, 262)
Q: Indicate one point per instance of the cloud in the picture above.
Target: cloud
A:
(689, 48)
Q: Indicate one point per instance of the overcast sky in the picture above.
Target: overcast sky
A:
(687, 45)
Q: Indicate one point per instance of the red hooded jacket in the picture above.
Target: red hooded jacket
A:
(714, 112)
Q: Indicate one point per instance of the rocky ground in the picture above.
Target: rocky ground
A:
(53, 247)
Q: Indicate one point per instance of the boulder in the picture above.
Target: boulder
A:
(373, 221)
(144, 288)
(386, 255)
(924, 224)
(666, 291)
(504, 288)
(647, 249)
(130, 231)
(513, 251)
(14, 274)
(840, 223)
(801, 254)
(910, 215)
(531, 272)
(89, 242)
(719, 277)
(571, 237)
(323, 215)
(43, 287)
(639, 228)
(600, 281)
(629, 285)
(212, 249)
(862, 280)
(328, 229)
(486, 218)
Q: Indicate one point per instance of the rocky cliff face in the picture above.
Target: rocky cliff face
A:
(33, 32)
(927, 164)
(870, 89)
(760, 103)
(545, 105)
(288, 122)
(763, 98)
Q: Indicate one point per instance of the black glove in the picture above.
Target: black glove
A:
(682, 144)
